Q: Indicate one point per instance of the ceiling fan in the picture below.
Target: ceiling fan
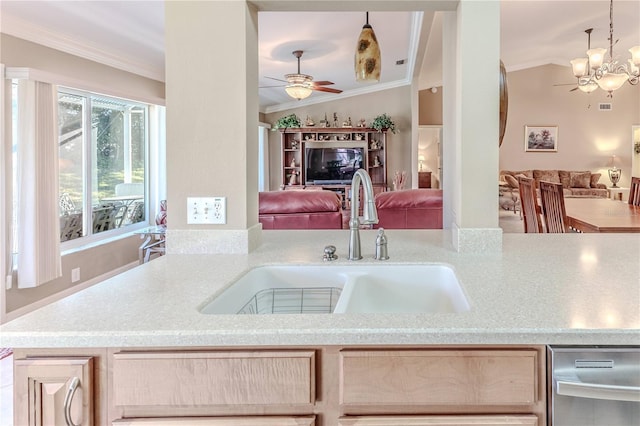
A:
(300, 86)
(587, 88)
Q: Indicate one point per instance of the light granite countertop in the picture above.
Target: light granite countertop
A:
(542, 289)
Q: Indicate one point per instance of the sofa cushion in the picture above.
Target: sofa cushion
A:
(589, 192)
(580, 179)
(595, 177)
(546, 175)
(526, 173)
(410, 209)
(283, 202)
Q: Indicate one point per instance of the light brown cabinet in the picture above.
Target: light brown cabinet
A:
(226, 421)
(53, 391)
(482, 420)
(319, 386)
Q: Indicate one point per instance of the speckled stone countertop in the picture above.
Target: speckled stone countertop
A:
(542, 289)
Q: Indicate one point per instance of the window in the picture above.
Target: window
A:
(103, 144)
(102, 151)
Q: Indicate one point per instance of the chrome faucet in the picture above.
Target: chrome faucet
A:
(370, 215)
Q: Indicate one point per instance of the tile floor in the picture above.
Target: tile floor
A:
(6, 391)
(509, 222)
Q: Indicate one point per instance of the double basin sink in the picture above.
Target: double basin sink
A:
(389, 288)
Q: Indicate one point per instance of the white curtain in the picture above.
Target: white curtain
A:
(5, 179)
(38, 218)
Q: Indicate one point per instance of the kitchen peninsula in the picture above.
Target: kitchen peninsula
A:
(542, 289)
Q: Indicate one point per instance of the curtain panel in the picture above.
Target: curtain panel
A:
(37, 170)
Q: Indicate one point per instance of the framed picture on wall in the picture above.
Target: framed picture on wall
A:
(540, 138)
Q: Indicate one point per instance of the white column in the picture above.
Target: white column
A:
(471, 118)
(212, 117)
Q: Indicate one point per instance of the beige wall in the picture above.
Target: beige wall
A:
(430, 107)
(81, 73)
(395, 102)
(586, 137)
(98, 260)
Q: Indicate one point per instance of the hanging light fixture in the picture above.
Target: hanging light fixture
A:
(299, 86)
(367, 57)
(594, 71)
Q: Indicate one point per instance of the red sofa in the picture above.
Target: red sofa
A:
(299, 210)
(410, 209)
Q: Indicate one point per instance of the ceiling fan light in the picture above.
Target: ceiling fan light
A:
(612, 81)
(596, 57)
(635, 55)
(579, 66)
(367, 58)
(589, 87)
(298, 91)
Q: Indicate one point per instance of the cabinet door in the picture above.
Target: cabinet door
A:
(483, 420)
(53, 391)
(220, 421)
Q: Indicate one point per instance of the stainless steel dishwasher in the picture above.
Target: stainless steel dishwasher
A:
(594, 385)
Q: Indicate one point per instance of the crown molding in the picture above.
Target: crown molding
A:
(28, 31)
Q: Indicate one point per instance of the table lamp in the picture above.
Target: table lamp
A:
(420, 160)
(614, 171)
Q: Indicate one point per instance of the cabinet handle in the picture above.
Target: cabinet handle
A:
(597, 391)
(75, 382)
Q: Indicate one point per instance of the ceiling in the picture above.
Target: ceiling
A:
(533, 32)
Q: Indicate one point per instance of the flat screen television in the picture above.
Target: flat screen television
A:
(332, 165)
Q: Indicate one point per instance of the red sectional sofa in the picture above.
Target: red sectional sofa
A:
(410, 209)
(299, 210)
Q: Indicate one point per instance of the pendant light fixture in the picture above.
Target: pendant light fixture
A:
(595, 71)
(367, 57)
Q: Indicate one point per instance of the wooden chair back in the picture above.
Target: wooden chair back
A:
(529, 203)
(634, 191)
(553, 210)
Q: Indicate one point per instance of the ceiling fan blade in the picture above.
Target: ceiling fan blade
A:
(574, 89)
(322, 83)
(269, 87)
(565, 84)
(277, 79)
(326, 89)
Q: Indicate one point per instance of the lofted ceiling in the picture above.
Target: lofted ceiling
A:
(129, 35)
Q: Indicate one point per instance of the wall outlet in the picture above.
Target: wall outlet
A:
(206, 210)
(75, 275)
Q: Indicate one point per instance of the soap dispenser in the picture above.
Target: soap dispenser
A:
(381, 245)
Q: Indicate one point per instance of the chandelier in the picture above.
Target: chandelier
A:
(594, 71)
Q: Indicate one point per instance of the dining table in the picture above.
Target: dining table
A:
(602, 215)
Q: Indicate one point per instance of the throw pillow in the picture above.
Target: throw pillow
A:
(595, 177)
(513, 182)
(580, 180)
(565, 180)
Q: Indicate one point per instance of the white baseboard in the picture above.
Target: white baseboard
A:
(6, 317)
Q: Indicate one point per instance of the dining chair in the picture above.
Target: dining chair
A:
(553, 210)
(529, 203)
(634, 191)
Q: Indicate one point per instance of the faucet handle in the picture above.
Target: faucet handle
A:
(329, 254)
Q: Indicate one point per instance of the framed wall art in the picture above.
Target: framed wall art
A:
(540, 138)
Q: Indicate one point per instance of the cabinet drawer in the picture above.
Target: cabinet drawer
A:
(213, 378)
(479, 420)
(439, 377)
(220, 421)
